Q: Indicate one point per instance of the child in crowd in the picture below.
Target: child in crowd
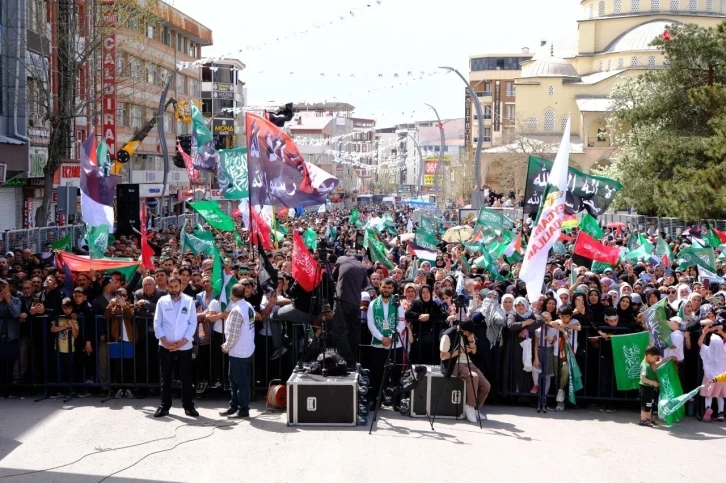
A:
(67, 332)
(551, 336)
(649, 385)
(568, 328)
(714, 363)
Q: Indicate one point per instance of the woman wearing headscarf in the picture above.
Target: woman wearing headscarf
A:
(563, 296)
(626, 317)
(597, 309)
(426, 318)
(550, 305)
(522, 324)
(409, 295)
(489, 320)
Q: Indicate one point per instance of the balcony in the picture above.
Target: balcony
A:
(484, 94)
(510, 93)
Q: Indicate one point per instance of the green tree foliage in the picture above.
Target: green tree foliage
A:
(670, 127)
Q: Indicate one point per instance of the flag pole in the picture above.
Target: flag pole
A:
(274, 225)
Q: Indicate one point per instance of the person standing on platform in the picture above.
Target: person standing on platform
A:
(352, 278)
(175, 322)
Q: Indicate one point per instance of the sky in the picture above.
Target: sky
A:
(360, 54)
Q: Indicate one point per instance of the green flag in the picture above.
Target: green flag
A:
(573, 275)
(474, 247)
(655, 320)
(640, 253)
(589, 225)
(97, 238)
(198, 242)
(430, 224)
(559, 248)
(670, 389)
(662, 248)
(228, 281)
(65, 244)
(199, 125)
(217, 274)
(487, 263)
(704, 257)
(354, 217)
(698, 243)
(492, 219)
(104, 162)
(425, 239)
(209, 210)
(377, 250)
(672, 407)
(599, 267)
(232, 173)
(387, 224)
(628, 353)
(310, 238)
(575, 383)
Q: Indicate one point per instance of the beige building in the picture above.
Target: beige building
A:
(576, 74)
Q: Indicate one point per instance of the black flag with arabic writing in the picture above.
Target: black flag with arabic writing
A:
(585, 192)
(277, 172)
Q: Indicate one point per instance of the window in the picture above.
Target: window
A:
(655, 5)
(151, 30)
(674, 5)
(709, 5)
(487, 112)
(633, 61)
(601, 9)
(692, 5)
(509, 89)
(609, 61)
(120, 64)
(151, 73)
(635, 6)
(135, 67)
(551, 90)
(136, 117)
(36, 16)
(164, 75)
(179, 42)
(549, 120)
(532, 123)
(168, 124)
(192, 49)
(563, 123)
(193, 88)
(35, 96)
(166, 36)
(666, 61)
(487, 135)
(651, 61)
(617, 6)
(592, 11)
(599, 66)
(121, 114)
(509, 112)
(181, 84)
(487, 88)
(721, 6)
(620, 63)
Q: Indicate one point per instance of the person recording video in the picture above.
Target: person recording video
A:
(457, 345)
(383, 318)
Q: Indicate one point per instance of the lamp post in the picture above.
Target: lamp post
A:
(439, 185)
(420, 160)
(476, 195)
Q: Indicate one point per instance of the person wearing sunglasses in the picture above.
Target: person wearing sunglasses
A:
(119, 309)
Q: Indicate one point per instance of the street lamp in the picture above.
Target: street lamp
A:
(476, 195)
(439, 166)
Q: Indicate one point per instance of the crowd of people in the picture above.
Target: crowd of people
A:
(60, 327)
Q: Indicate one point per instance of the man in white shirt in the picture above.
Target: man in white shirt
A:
(175, 322)
(383, 320)
(239, 331)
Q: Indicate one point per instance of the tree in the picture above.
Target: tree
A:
(66, 78)
(670, 128)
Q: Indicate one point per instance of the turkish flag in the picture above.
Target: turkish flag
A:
(146, 251)
(261, 229)
(305, 269)
(588, 249)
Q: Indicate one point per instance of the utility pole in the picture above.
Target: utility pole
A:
(439, 185)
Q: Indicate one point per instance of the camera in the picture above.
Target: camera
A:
(395, 300)
(460, 301)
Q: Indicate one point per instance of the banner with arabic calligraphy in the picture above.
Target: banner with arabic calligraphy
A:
(278, 173)
(585, 192)
(232, 173)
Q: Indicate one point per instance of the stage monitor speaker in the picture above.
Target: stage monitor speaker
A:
(127, 209)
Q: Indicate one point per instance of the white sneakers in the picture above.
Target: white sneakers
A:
(470, 413)
(560, 396)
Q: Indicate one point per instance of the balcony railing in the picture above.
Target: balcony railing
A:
(484, 94)
(510, 93)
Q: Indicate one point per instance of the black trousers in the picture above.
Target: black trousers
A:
(378, 364)
(346, 330)
(184, 360)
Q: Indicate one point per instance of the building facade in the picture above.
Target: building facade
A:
(223, 99)
(576, 74)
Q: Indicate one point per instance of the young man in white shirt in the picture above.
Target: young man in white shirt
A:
(239, 331)
(175, 322)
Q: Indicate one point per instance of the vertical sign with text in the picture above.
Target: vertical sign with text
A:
(108, 66)
(497, 104)
(467, 119)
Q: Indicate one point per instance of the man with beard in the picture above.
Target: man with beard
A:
(352, 278)
(175, 322)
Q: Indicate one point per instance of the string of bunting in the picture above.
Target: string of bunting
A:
(340, 18)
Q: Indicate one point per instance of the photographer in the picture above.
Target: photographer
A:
(385, 316)
(458, 343)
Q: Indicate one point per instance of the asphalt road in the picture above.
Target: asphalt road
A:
(515, 444)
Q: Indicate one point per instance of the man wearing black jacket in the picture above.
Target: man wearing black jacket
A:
(352, 278)
(90, 334)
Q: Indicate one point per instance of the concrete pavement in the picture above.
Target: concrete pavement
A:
(516, 444)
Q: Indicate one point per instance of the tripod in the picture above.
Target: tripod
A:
(320, 296)
(447, 375)
(390, 361)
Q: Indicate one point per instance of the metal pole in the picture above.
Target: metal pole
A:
(476, 195)
(420, 161)
(439, 185)
(162, 137)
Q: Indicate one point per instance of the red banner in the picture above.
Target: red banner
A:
(108, 75)
(304, 267)
(591, 249)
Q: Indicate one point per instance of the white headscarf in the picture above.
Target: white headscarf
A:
(714, 357)
(508, 297)
(521, 300)
(559, 300)
(678, 291)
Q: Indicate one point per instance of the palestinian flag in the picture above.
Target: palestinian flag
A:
(715, 237)
(513, 252)
(97, 190)
(587, 250)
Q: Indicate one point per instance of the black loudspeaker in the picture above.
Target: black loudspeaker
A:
(127, 209)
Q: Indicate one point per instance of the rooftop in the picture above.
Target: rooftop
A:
(549, 67)
(639, 38)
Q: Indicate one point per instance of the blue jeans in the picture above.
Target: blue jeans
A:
(239, 382)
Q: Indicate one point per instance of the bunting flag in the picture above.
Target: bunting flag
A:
(628, 353)
(259, 227)
(549, 224)
(266, 273)
(146, 251)
(65, 244)
(703, 257)
(589, 225)
(204, 155)
(311, 239)
(669, 387)
(188, 164)
(217, 219)
(704, 275)
(97, 238)
(584, 192)
(232, 174)
(655, 321)
(376, 249)
(575, 382)
(587, 250)
(304, 267)
(97, 190)
(279, 175)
